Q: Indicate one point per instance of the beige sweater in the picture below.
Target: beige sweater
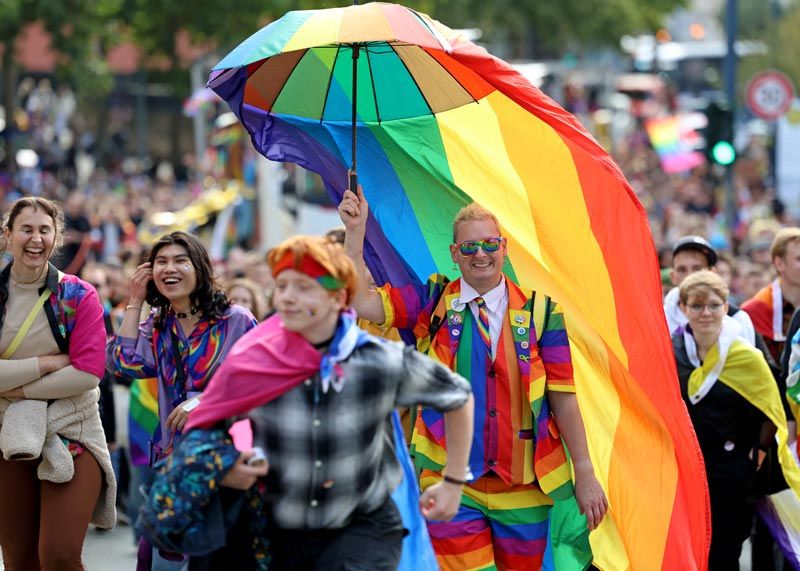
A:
(22, 370)
(78, 417)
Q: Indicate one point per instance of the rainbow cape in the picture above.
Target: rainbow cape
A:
(576, 231)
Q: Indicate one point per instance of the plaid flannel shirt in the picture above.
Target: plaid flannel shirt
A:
(331, 454)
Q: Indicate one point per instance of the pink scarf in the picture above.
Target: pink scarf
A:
(263, 365)
(268, 362)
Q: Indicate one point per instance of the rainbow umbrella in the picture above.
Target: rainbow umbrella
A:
(364, 65)
(574, 226)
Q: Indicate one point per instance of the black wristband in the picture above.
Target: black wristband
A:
(451, 480)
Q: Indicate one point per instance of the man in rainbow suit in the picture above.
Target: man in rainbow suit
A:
(512, 346)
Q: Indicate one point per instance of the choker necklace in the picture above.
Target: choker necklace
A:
(182, 315)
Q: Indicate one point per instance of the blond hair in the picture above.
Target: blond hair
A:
(701, 284)
(783, 238)
(472, 212)
(327, 254)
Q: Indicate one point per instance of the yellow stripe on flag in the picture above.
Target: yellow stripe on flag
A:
(536, 194)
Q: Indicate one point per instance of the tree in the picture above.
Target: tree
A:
(74, 26)
(215, 24)
(783, 50)
(536, 26)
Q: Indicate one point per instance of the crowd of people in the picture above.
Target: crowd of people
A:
(187, 337)
(312, 463)
(694, 203)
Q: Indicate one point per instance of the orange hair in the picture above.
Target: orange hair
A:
(330, 256)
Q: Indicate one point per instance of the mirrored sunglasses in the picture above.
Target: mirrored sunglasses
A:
(489, 245)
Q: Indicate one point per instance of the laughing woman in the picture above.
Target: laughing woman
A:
(191, 327)
(55, 471)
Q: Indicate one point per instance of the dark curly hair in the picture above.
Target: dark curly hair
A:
(208, 297)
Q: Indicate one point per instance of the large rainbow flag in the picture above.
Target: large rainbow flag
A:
(575, 229)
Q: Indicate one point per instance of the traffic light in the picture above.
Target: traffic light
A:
(719, 135)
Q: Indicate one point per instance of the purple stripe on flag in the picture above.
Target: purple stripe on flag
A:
(769, 515)
(437, 429)
(281, 140)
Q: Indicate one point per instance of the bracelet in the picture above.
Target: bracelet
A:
(139, 307)
(451, 480)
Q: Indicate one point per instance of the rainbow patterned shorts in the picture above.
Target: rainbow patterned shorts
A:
(497, 526)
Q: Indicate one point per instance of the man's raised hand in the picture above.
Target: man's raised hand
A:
(353, 209)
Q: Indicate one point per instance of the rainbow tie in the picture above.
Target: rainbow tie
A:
(483, 323)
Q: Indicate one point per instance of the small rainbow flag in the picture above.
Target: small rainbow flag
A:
(675, 140)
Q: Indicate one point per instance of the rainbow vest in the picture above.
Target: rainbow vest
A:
(516, 437)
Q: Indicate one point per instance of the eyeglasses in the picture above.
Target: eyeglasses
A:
(712, 307)
(489, 245)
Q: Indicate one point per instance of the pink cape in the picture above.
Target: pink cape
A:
(264, 364)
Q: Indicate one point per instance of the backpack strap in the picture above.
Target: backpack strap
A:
(541, 306)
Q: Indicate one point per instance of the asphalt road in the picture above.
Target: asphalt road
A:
(108, 551)
(114, 551)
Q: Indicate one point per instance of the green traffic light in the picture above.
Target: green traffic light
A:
(723, 153)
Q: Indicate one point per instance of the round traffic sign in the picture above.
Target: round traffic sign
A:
(770, 94)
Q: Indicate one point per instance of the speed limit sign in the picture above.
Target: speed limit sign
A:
(770, 94)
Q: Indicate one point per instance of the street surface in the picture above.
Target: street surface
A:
(108, 551)
(114, 551)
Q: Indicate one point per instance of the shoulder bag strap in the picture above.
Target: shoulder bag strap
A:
(26, 325)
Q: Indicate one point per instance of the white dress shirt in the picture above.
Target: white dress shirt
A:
(496, 304)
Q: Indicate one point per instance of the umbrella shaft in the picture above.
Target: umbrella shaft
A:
(356, 50)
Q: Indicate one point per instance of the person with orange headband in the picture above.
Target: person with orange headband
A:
(319, 393)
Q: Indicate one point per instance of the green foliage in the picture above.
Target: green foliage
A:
(554, 25)
(154, 23)
(755, 17)
(73, 24)
(78, 30)
(783, 54)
